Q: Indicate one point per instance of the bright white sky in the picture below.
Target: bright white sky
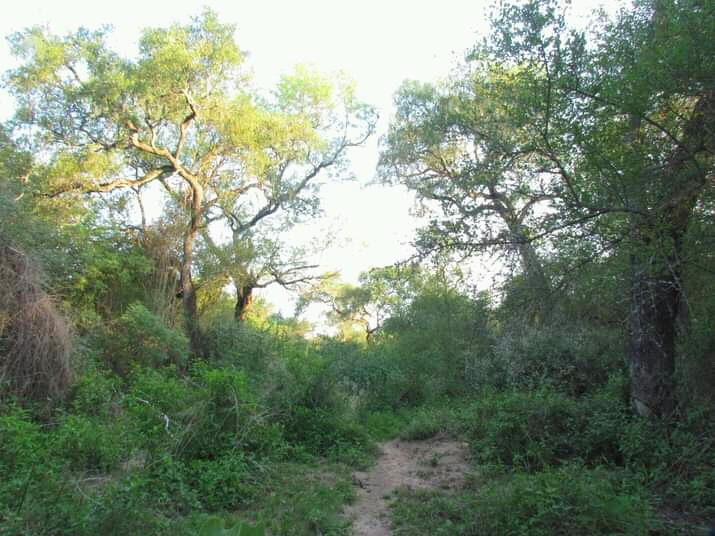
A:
(379, 43)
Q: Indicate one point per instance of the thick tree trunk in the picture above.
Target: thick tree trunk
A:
(655, 302)
(244, 300)
(656, 292)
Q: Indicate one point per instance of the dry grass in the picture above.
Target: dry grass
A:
(35, 339)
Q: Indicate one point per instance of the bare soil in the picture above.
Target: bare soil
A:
(436, 463)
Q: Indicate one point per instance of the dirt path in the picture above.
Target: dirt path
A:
(436, 463)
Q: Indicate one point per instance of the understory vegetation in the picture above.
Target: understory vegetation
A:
(144, 389)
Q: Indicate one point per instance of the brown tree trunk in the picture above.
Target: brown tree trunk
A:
(188, 290)
(244, 300)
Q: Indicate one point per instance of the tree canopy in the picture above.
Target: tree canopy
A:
(185, 116)
(549, 135)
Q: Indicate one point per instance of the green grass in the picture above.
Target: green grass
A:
(303, 499)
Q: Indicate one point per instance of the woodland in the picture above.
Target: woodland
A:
(145, 200)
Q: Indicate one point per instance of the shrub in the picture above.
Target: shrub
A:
(202, 416)
(224, 483)
(574, 359)
(96, 393)
(140, 337)
(88, 444)
(35, 340)
(155, 403)
(222, 415)
(36, 497)
(557, 502)
(565, 501)
(535, 429)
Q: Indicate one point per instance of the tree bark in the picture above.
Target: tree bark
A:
(188, 290)
(244, 300)
(655, 301)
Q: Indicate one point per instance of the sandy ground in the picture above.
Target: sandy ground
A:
(436, 463)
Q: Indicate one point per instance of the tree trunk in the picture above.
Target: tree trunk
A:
(656, 292)
(652, 333)
(244, 300)
(539, 287)
(188, 290)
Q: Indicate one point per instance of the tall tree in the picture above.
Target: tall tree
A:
(182, 115)
(466, 153)
(616, 131)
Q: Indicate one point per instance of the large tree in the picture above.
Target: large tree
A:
(465, 153)
(184, 115)
(615, 135)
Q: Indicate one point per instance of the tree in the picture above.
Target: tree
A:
(615, 132)
(255, 260)
(380, 294)
(182, 115)
(467, 156)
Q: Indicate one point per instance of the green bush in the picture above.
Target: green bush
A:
(423, 423)
(236, 344)
(133, 507)
(577, 360)
(524, 430)
(559, 502)
(323, 431)
(223, 483)
(531, 430)
(36, 495)
(156, 403)
(221, 416)
(89, 444)
(139, 337)
(96, 393)
(566, 501)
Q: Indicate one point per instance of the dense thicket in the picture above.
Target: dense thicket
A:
(143, 389)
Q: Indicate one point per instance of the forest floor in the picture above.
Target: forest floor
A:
(437, 463)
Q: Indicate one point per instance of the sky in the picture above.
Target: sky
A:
(378, 43)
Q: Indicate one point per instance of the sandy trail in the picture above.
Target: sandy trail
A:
(436, 463)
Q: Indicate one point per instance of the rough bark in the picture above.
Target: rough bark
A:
(244, 300)
(655, 303)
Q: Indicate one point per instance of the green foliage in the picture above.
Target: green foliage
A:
(575, 359)
(181, 102)
(204, 416)
(96, 393)
(564, 501)
(238, 344)
(533, 430)
(215, 526)
(89, 444)
(36, 497)
(437, 341)
(424, 422)
(298, 499)
(141, 337)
